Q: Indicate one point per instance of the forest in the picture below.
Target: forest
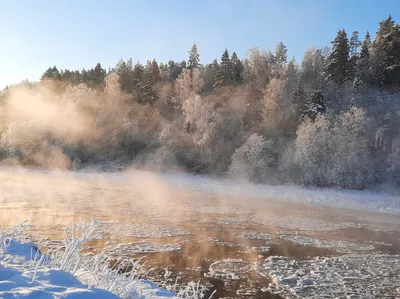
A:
(331, 120)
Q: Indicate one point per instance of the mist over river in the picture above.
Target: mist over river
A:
(242, 240)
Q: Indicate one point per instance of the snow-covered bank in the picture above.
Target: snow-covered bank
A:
(25, 272)
(21, 279)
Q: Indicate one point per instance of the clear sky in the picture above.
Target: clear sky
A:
(76, 34)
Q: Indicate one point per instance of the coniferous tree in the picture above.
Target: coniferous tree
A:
(173, 70)
(194, 57)
(281, 53)
(354, 51)
(387, 53)
(98, 75)
(124, 71)
(224, 71)
(316, 106)
(364, 61)
(209, 75)
(237, 69)
(51, 73)
(337, 64)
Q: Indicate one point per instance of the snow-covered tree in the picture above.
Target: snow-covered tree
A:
(255, 160)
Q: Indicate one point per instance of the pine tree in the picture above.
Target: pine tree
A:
(387, 50)
(338, 66)
(173, 70)
(281, 54)
(355, 44)
(125, 75)
(209, 76)
(99, 75)
(224, 71)
(51, 73)
(316, 106)
(299, 101)
(354, 50)
(153, 72)
(364, 61)
(237, 69)
(194, 57)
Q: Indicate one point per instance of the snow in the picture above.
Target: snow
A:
(18, 279)
(25, 272)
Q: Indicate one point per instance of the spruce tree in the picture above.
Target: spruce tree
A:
(281, 53)
(387, 50)
(194, 57)
(224, 71)
(337, 64)
(237, 69)
(364, 61)
(316, 106)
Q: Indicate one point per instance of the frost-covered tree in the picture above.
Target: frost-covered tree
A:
(352, 160)
(277, 106)
(255, 160)
(194, 57)
(314, 151)
(189, 84)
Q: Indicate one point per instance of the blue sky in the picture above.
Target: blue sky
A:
(77, 34)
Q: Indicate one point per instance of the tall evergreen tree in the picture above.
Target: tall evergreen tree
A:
(224, 72)
(194, 57)
(99, 75)
(337, 64)
(355, 44)
(237, 69)
(51, 73)
(387, 53)
(124, 71)
(281, 53)
(354, 51)
(364, 61)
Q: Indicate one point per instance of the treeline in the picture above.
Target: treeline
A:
(332, 120)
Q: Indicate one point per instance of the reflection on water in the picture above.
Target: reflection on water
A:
(220, 238)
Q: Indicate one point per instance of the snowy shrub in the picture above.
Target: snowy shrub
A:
(314, 150)
(335, 153)
(352, 160)
(254, 160)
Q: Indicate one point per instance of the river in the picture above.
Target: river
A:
(242, 240)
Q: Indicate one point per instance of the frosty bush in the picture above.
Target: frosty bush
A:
(335, 153)
(254, 160)
(314, 149)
